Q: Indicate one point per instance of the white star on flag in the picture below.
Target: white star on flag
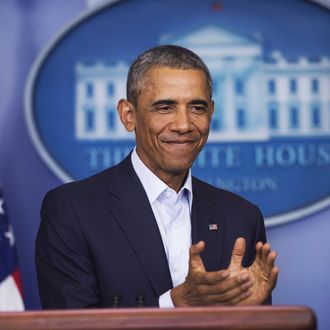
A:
(2, 210)
(10, 235)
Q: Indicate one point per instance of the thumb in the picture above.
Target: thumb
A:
(195, 261)
(237, 254)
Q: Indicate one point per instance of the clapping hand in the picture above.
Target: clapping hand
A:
(263, 273)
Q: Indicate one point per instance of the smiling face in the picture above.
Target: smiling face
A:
(171, 120)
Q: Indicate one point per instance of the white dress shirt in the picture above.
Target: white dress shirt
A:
(172, 213)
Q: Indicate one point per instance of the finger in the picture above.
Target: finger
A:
(259, 246)
(227, 284)
(242, 296)
(237, 254)
(225, 291)
(233, 295)
(271, 258)
(238, 250)
(273, 277)
(195, 261)
(212, 278)
(269, 271)
(262, 252)
(269, 263)
(265, 251)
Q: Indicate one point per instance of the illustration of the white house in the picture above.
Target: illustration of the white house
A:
(256, 98)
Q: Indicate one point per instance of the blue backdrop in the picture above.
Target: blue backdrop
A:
(29, 27)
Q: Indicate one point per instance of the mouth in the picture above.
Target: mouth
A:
(180, 144)
(179, 141)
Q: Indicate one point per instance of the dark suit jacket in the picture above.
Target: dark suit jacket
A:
(98, 244)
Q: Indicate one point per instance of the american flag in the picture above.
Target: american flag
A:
(213, 226)
(11, 298)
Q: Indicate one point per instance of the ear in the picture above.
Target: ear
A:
(126, 111)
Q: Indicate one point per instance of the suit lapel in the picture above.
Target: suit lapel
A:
(131, 209)
(208, 224)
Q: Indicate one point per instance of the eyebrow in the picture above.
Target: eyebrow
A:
(171, 102)
(164, 102)
(200, 102)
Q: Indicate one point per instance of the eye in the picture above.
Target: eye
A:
(197, 108)
(165, 109)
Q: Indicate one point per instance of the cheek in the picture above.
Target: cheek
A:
(156, 126)
(149, 131)
(203, 125)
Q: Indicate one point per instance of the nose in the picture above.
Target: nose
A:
(181, 122)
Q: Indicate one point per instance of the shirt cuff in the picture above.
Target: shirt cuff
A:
(165, 300)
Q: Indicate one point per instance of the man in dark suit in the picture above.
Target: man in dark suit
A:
(145, 232)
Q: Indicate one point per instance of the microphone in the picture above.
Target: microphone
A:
(115, 300)
(140, 298)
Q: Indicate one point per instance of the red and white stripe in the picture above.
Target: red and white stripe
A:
(11, 298)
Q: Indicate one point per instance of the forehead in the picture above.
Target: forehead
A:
(163, 80)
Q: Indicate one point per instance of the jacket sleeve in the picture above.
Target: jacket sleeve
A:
(65, 273)
(261, 237)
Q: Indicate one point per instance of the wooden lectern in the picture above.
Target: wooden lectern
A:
(254, 318)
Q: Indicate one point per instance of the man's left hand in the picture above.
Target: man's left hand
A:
(263, 272)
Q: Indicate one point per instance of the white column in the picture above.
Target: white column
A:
(304, 90)
(324, 98)
(256, 106)
(100, 103)
(79, 118)
(283, 97)
(229, 104)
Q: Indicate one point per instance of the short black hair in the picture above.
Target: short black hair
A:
(162, 56)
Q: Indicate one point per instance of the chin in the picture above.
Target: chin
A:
(178, 167)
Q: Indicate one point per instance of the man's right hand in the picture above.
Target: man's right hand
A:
(202, 288)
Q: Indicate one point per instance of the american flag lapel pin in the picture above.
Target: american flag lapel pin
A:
(213, 226)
